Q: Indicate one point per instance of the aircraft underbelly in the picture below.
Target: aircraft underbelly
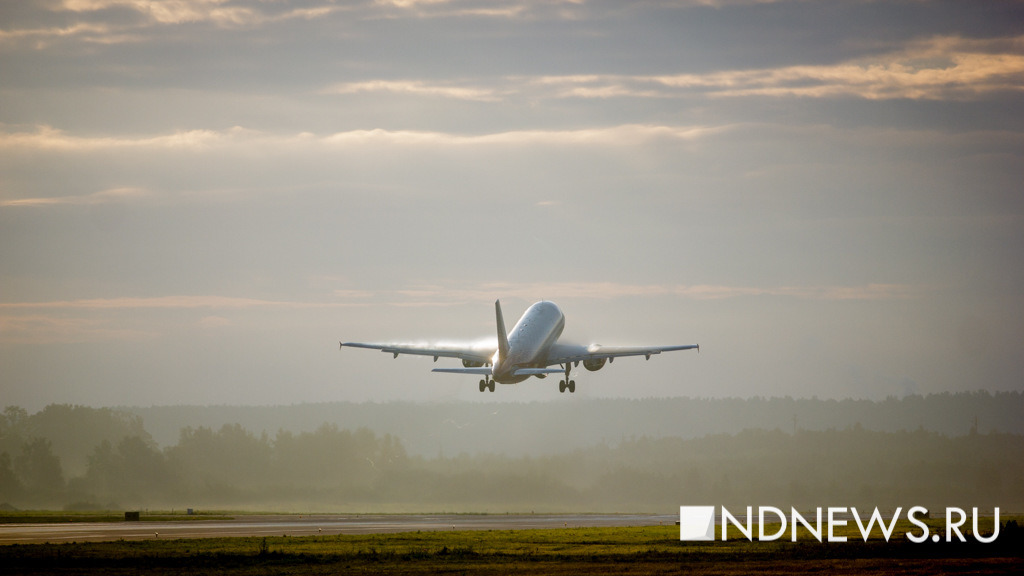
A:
(530, 340)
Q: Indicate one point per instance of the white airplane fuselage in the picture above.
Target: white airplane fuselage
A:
(529, 342)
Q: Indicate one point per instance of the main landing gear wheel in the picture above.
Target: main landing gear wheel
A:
(483, 384)
(567, 384)
(487, 385)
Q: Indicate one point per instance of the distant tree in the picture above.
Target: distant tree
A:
(225, 460)
(104, 473)
(12, 429)
(392, 452)
(39, 470)
(333, 458)
(13, 418)
(145, 467)
(75, 430)
(10, 487)
(134, 471)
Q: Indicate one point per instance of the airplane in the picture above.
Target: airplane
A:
(528, 350)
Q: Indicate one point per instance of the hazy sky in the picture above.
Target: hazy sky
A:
(199, 198)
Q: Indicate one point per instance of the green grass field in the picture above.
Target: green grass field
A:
(647, 550)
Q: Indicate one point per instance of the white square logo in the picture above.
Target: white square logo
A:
(697, 523)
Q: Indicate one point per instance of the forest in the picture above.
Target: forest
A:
(495, 425)
(76, 457)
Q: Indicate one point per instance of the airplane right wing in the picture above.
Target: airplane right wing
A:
(562, 353)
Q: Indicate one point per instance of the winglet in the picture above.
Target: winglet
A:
(502, 333)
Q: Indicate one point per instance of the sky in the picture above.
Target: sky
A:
(200, 198)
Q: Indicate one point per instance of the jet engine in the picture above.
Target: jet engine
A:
(595, 364)
(471, 364)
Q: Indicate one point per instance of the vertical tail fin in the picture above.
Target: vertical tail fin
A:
(502, 334)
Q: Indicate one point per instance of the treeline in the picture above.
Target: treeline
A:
(228, 466)
(71, 431)
(568, 423)
(330, 468)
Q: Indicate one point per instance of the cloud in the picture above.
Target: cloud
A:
(55, 321)
(102, 23)
(164, 12)
(535, 9)
(411, 3)
(862, 292)
(416, 88)
(506, 9)
(168, 302)
(46, 139)
(107, 22)
(239, 13)
(50, 329)
(443, 295)
(624, 135)
(224, 13)
(435, 295)
(510, 88)
(62, 321)
(101, 197)
(95, 33)
(940, 68)
(214, 322)
(353, 294)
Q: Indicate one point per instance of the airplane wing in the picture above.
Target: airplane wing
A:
(562, 353)
(470, 353)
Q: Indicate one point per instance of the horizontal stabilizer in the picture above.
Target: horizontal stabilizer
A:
(485, 371)
(536, 371)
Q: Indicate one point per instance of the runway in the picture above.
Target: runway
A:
(310, 525)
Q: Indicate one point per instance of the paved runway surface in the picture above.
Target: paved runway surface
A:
(308, 525)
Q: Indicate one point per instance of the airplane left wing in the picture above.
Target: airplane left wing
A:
(562, 353)
(473, 354)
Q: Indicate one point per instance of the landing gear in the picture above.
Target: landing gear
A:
(487, 385)
(567, 384)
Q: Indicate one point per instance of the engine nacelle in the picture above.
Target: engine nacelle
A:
(471, 364)
(595, 364)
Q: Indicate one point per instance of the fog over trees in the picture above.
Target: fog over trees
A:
(536, 428)
(589, 456)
